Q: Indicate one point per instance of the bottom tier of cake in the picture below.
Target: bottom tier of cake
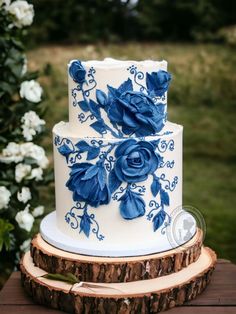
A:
(143, 296)
(175, 235)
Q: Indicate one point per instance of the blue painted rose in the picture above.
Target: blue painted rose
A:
(135, 161)
(88, 183)
(136, 113)
(158, 82)
(77, 72)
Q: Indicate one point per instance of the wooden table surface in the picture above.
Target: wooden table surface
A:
(219, 297)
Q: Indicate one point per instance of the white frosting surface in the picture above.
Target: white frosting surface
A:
(135, 236)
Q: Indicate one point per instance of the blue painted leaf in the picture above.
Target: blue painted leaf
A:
(126, 86)
(101, 97)
(159, 219)
(93, 152)
(102, 177)
(94, 109)
(91, 172)
(65, 150)
(155, 186)
(113, 181)
(85, 224)
(165, 200)
(113, 92)
(84, 105)
(131, 205)
(83, 146)
(99, 126)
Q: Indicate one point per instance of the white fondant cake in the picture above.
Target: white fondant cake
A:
(118, 162)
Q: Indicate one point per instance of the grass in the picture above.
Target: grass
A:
(202, 97)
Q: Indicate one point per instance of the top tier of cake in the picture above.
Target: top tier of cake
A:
(113, 98)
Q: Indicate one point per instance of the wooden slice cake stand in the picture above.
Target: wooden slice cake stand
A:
(143, 296)
(114, 269)
(140, 284)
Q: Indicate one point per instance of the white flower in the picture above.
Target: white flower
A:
(38, 211)
(25, 195)
(31, 90)
(24, 67)
(43, 162)
(11, 149)
(24, 219)
(5, 195)
(37, 174)
(28, 133)
(22, 11)
(32, 124)
(5, 2)
(24, 247)
(17, 152)
(11, 153)
(32, 120)
(36, 152)
(22, 171)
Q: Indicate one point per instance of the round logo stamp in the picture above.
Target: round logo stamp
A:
(185, 220)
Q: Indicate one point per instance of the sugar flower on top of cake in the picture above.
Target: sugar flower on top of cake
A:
(130, 112)
(77, 72)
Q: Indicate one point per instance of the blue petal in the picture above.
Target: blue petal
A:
(150, 82)
(132, 205)
(129, 119)
(121, 149)
(91, 172)
(126, 86)
(160, 108)
(113, 92)
(118, 168)
(102, 177)
(101, 97)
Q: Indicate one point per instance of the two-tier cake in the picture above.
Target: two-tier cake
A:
(118, 179)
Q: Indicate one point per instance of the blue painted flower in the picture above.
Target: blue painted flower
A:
(136, 113)
(132, 205)
(77, 72)
(158, 82)
(135, 161)
(88, 183)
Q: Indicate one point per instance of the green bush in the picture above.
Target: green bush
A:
(23, 162)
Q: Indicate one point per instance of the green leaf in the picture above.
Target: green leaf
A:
(5, 235)
(69, 277)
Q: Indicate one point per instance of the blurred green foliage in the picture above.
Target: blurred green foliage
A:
(115, 20)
